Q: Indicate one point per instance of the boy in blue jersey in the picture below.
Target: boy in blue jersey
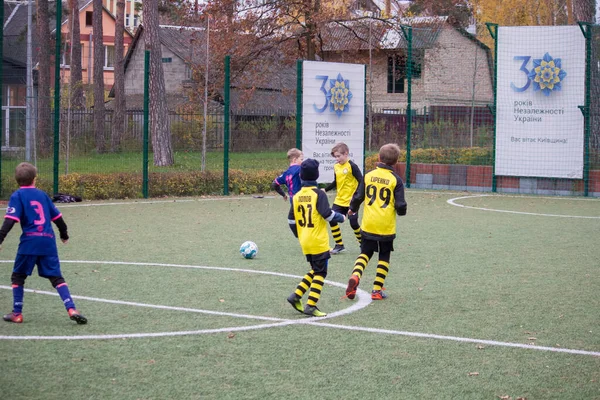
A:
(34, 210)
(291, 179)
(312, 215)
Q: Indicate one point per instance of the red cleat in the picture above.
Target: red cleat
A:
(13, 317)
(378, 295)
(352, 285)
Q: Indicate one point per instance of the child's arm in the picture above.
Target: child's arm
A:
(277, 187)
(331, 186)
(356, 172)
(62, 229)
(326, 212)
(6, 227)
(400, 202)
(357, 198)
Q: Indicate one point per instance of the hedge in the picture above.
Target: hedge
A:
(179, 184)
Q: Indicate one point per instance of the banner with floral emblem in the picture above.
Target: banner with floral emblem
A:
(540, 86)
(333, 111)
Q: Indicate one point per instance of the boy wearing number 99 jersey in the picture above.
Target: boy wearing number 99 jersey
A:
(383, 191)
(312, 215)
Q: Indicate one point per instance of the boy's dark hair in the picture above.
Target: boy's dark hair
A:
(340, 148)
(389, 153)
(25, 174)
(293, 153)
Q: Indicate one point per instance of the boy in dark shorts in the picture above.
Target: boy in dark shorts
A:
(34, 210)
(384, 191)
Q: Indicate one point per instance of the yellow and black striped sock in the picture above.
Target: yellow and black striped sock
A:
(304, 284)
(336, 232)
(382, 271)
(357, 234)
(360, 264)
(315, 290)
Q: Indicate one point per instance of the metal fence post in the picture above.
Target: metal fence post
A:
(586, 29)
(299, 104)
(493, 29)
(226, 128)
(57, 59)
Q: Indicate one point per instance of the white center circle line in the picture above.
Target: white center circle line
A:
(364, 299)
(454, 203)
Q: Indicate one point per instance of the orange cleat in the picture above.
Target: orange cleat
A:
(352, 285)
(378, 295)
(13, 317)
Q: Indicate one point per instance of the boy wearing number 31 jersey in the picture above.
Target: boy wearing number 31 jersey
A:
(312, 215)
(382, 191)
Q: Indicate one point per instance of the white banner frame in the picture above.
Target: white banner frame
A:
(539, 126)
(332, 116)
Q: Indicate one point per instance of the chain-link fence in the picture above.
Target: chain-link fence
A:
(432, 92)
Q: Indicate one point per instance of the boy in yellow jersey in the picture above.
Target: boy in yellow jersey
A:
(311, 216)
(346, 178)
(384, 191)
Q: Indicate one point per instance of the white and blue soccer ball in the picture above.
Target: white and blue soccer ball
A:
(249, 249)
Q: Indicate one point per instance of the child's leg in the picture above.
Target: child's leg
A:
(292, 222)
(336, 232)
(316, 287)
(49, 267)
(367, 248)
(353, 219)
(385, 251)
(23, 267)
(58, 283)
(301, 289)
(304, 285)
(18, 281)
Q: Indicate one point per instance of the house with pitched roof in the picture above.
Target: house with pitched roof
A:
(449, 66)
(14, 59)
(86, 13)
(183, 49)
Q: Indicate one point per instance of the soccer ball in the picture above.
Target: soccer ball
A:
(248, 249)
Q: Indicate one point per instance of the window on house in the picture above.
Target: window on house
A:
(136, 20)
(89, 18)
(127, 20)
(396, 73)
(65, 56)
(167, 60)
(417, 63)
(109, 56)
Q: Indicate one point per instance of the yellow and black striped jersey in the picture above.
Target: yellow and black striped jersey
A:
(347, 176)
(312, 215)
(382, 190)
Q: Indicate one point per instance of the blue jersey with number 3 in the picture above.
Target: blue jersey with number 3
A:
(34, 210)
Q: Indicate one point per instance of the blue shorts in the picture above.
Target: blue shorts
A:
(47, 265)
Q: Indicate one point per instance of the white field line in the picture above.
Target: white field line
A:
(225, 198)
(454, 203)
(363, 301)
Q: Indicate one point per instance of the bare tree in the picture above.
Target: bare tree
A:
(76, 80)
(99, 108)
(118, 121)
(584, 10)
(159, 117)
(44, 142)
